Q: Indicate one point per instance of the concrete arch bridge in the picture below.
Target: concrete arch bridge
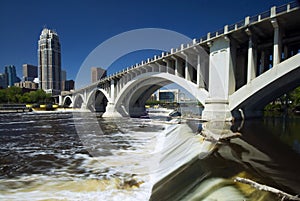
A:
(233, 72)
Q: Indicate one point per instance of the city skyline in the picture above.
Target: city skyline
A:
(83, 26)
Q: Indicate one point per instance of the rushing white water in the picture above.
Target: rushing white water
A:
(127, 156)
(43, 158)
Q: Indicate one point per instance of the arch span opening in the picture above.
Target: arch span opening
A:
(78, 101)
(67, 102)
(132, 98)
(97, 101)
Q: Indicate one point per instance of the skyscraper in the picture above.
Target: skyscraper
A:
(97, 74)
(63, 75)
(3, 81)
(29, 72)
(49, 59)
(11, 75)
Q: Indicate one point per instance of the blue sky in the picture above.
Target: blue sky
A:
(83, 25)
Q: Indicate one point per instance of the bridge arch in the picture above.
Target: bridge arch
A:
(254, 96)
(67, 101)
(79, 101)
(97, 100)
(133, 96)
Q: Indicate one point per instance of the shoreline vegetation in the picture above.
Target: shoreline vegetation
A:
(17, 98)
(16, 95)
(288, 103)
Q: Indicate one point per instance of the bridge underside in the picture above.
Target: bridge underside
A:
(274, 83)
(137, 103)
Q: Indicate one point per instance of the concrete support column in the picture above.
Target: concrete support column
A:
(168, 70)
(176, 65)
(123, 81)
(277, 43)
(154, 68)
(110, 108)
(60, 100)
(200, 77)
(221, 81)
(158, 67)
(83, 106)
(84, 103)
(186, 67)
(151, 68)
(85, 96)
(118, 86)
(251, 66)
(128, 78)
(133, 75)
(112, 91)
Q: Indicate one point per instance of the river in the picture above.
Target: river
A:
(79, 156)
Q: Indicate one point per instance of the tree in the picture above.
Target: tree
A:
(15, 95)
(25, 98)
(295, 97)
(12, 94)
(3, 96)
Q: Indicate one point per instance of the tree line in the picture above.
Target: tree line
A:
(13, 95)
(287, 102)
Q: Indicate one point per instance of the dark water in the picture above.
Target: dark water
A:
(43, 157)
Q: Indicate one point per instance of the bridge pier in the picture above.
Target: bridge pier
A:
(84, 107)
(221, 80)
(216, 110)
(111, 112)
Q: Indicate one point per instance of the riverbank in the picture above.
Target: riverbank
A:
(14, 108)
(35, 108)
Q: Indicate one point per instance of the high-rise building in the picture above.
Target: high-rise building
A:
(63, 75)
(63, 78)
(67, 85)
(3, 81)
(11, 75)
(29, 72)
(49, 59)
(97, 73)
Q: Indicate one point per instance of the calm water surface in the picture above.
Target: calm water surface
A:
(43, 157)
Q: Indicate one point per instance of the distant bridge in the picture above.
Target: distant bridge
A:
(233, 72)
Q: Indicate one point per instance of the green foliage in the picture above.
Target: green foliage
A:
(15, 95)
(152, 102)
(3, 97)
(295, 97)
(273, 107)
(287, 101)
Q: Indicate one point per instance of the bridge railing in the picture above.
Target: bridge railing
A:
(263, 15)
